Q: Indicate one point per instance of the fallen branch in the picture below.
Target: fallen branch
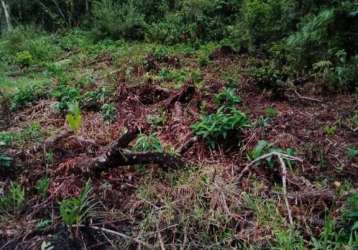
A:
(105, 230)
(117, 156)
(281, 158)
(306, 98)
(184, 95)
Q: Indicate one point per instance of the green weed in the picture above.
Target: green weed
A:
(109, 112)
(76, 210)
(14, 200)
(147, 143)
(227, 98)
(216, 128)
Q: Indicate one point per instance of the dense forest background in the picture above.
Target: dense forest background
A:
(304, 34)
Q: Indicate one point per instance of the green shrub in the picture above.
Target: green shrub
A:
(5, 162)
(76, 210)
(269, 77)
(109, 112)
(262, 22)
(222, 127)
(311, 41)
(147, 143)
(74, 117)
(116, 21)
(264, 147)
(227, 97)
(42, 186)
(65, 94)
(14, 200)
(23, 58)
(94, 99)
(28, 94)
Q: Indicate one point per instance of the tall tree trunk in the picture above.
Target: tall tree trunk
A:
(6, 11)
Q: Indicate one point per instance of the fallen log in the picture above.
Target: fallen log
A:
(183, 96)
(122, 157)
(117, 156)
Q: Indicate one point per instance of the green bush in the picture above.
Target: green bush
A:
(147, 143)
(223, 127)
(227, 97)
(14, 200)
(23, 58)
(109, 112)
(264, 147)
(117, 21)
(261, 22)
(28, 94)
(76, 210)
(65, 94)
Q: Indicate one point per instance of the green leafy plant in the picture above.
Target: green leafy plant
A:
(147, 143)
(264, 147)
(225, 124)
(271, 112)
(28, 94)
(75, 210)
(74, 117)
(352, 152)
(227, 98)
(117, 20)
(330, 130)
(65, 94)
(269, 77)
(24, 58)
(109, 112)
(14, 200)
(42, 186)
(5, 162)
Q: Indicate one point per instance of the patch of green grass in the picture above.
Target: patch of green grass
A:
(31, 133)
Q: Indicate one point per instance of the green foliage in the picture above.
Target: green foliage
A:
(227, 98)
(261, 22)
(26, 44)
(118, 20)
(42, 186)
(13, 200)
(23, 58)
(330, 130)
(74, 117)
(76, 210)
(32, 132)
(269, 77)
(94, 99)
(264, 147)
(352, 152)
(307, 43)
(147, 143)
(5, 162)
(65, 94)
(271, 112)
(222, 126)
(27, 94)
(109, 112)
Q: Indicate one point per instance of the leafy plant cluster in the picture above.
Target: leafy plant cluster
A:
(221, 128)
